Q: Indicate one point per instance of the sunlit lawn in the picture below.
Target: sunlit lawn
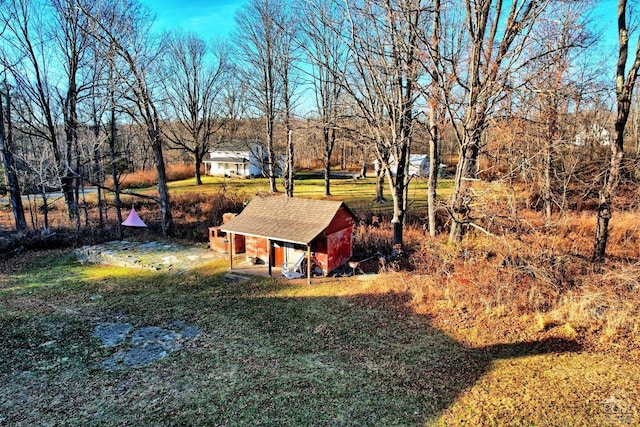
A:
(357, 193)
(339, 352)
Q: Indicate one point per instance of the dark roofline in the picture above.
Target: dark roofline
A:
(292, 220)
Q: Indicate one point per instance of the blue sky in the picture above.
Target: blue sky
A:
(216, 18)
(208, 18)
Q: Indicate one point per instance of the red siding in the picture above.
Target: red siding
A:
(322, 255)
(219, 242)
(340, 249)
(342, 220)
(257, 247)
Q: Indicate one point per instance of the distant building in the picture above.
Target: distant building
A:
(240, 159)
(595, 135)
(418, 165)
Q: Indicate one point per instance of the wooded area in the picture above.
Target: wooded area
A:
(520, 91)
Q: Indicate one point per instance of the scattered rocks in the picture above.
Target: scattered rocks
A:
(145, 354)
(141, 346)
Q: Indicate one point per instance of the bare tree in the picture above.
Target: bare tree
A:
(327, 55)
(625, 83)
(72, 46)
(492, 34)
(433, 67)
(195, 75)
(555, 78)
(8, 161)
(122, 30)
(26, 55)
(286, 65)
(258, 36)
(384, 44)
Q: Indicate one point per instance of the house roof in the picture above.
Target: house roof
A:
(242, 145)
(286, 219)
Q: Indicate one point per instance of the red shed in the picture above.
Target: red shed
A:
(287, 231)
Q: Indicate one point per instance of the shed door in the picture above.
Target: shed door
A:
(278, 254)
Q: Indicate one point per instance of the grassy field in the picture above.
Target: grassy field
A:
(514, 327)
(271, 352)
(359, 193)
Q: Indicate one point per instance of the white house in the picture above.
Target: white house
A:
(595, 135)
(418, 165)
(241, 159)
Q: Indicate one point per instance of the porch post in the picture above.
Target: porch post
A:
(308, 264)
(269, 254)
(230, 251)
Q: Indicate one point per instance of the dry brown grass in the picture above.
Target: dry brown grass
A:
(533, 281)
(149, 178)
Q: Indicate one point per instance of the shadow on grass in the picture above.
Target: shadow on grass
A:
(262, 359)
(363, 360)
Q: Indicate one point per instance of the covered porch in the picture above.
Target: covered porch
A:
(292, 237)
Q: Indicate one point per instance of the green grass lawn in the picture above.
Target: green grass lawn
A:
(273, 352)
(358, 194)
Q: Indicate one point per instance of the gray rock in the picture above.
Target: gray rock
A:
(145, 354)
(147, 344)
(112, 334)
(154, 334)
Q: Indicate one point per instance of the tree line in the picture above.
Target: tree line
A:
(88, 88)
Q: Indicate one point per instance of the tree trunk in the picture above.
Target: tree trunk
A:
(343, 158)
(434, 165)
(466, 170)
(166, 219)
(470, 161)
(198, 163)
(328, 139)
(97, 169)
(271, 160)
(380, 186)
(459, 209)
(45, 206)
(624, 95)
(327, 179)
(547, 159)
(399, 200)
(434, 134)
(8, 162)
(605, 209)
(114, 168)
(546, 187)
(290, 159)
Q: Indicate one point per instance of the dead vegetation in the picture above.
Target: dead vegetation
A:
(514, 276)
(522, 278)
(149, 178)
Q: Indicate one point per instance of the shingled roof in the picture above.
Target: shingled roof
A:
(287, 219)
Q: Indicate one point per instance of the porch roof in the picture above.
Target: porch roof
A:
(221, 159)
